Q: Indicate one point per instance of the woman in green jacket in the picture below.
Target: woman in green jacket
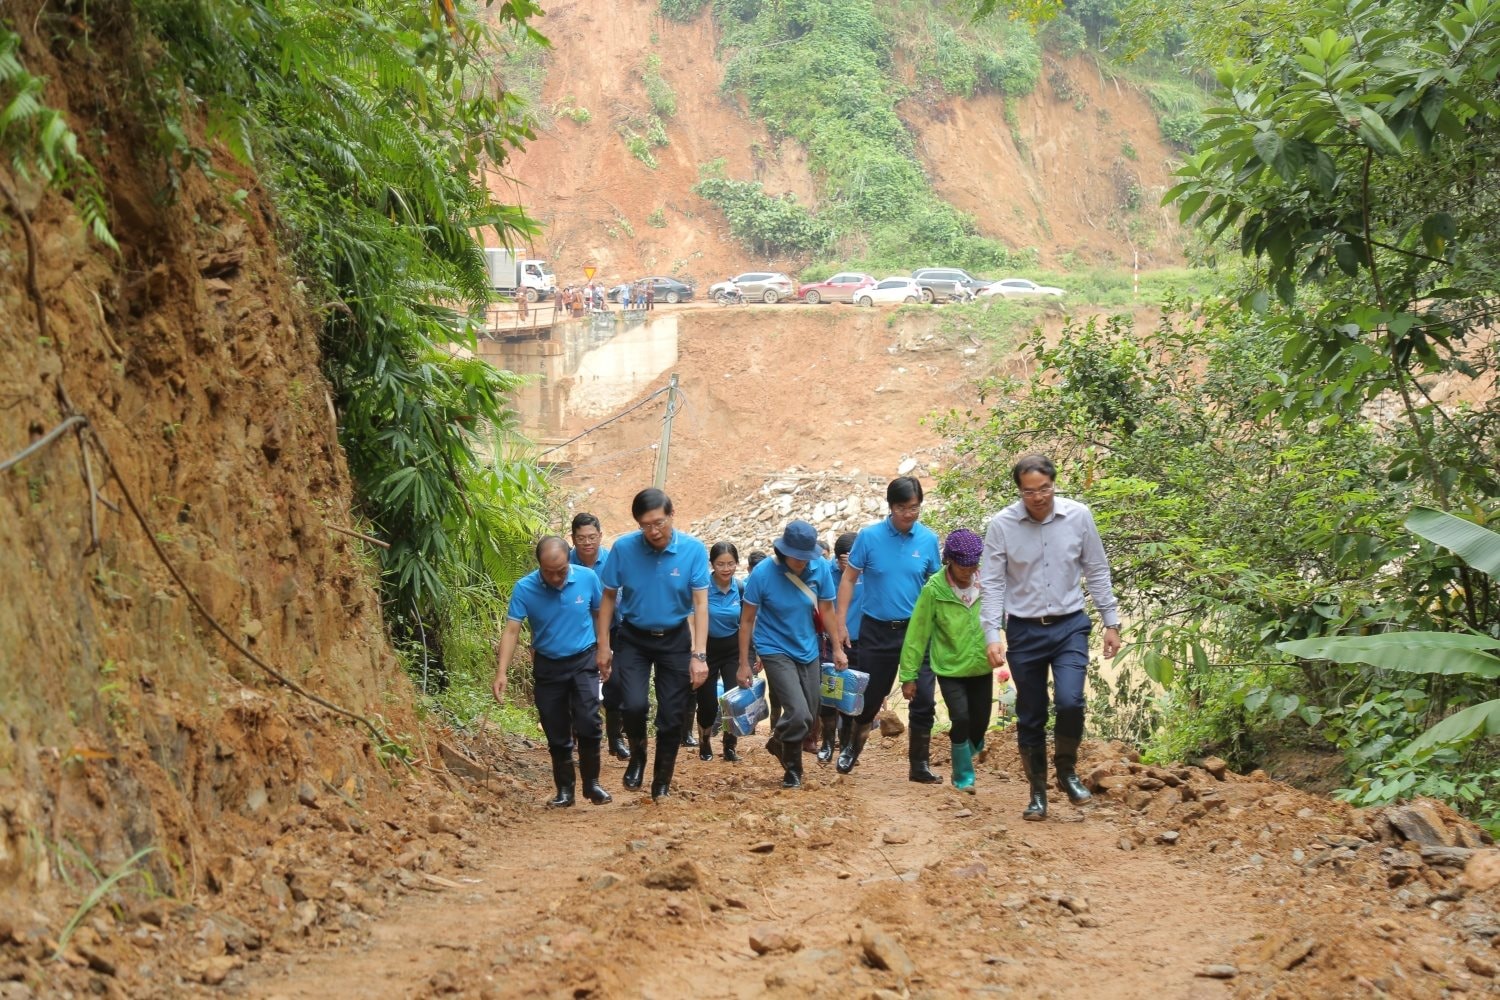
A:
(946, 617)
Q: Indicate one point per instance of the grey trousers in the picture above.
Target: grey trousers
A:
(795, 687)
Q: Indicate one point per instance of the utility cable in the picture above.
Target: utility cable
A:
(603, 423)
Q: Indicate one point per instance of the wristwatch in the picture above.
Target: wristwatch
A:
(701, 656)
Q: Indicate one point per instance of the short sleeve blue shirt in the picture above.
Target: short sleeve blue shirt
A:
(562, 620)
(856, 608)
(656, 586)
(724, 610)
(894, 566)
(599, 562)
(783, 619)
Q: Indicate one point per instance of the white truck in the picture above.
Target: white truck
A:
(514, 272)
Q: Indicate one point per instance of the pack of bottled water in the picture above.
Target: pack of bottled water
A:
(843, 689)
(743, 708)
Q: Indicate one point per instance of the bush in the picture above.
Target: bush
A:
(1180, 130)
(641, 150)
(660, 93)
(1065, 36)
(681, 10)
(769, 225)
(657, 219)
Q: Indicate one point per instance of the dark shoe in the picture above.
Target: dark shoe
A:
(845, 730)
(563, 778)
(635, 771)
(687, 737)
(665, 763)
(825, 749)
(731, 740)
(614, 731)
(849, 756)
(919, 750)
(588, 773)
(1065, 760)
(705, 743)
(773, 746)
(791, 759)
(1034, 763)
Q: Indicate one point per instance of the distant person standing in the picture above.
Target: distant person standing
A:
(945, 625)
(724, 593)
(785, 599)
(894, 557)
(1035, 552)
(838, 728)
(558, 601)
(650, 295)
(590, 551)
(660, 576)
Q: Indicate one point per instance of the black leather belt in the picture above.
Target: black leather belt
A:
(890, 625)
(655, 633)
(1044, 619)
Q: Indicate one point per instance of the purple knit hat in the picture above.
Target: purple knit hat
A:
(963, 547)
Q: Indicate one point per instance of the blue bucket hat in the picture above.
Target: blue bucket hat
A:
(799, 540)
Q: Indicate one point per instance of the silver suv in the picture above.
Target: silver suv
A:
(769, 287)
(947, 283)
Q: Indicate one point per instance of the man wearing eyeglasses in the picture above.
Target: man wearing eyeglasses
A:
(590, 552)
(659, 576)
(1035, 552)
(894, 558)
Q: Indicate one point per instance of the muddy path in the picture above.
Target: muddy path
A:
(735, 888)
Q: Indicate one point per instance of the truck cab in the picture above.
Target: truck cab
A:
(516, 272)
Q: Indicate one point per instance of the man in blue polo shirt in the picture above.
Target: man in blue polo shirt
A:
(659, 576)
(558, 600)
(589, 550)
(894, 558)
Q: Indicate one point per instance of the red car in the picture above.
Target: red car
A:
(839, 288)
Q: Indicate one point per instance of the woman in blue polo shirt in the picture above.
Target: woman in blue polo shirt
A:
(723, 645)
(894, 558)
(558, 600)
(781, 600)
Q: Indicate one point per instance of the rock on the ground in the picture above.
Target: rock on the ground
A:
(1218, 972)
(894, 836)
(676, 877)
(1482, 873)
(891, 725)
(884, 952)
(1481, 966)
(766, 939)
(1216, 767)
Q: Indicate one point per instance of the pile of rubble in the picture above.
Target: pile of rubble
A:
(832, 500)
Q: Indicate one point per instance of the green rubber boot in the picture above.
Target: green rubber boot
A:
(963, 767)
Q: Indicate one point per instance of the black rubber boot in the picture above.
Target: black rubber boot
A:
(825, 749)
(1065, 760)
(849, 756)
(667, 746)
(635, 771)
(919, 750)
(731, 740)
(1034, 763)
(563, 777)
(588, 772)
(846, 728)
(614, 732)
(687, 736)
(791, 759)
(705, 743)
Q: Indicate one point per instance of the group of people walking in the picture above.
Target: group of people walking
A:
(661, 609)
(592, 298)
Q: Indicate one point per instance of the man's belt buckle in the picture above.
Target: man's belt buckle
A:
(1046, 619)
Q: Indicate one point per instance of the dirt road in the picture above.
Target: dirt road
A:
(1144, 893)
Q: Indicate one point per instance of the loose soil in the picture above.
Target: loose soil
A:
(675, 899)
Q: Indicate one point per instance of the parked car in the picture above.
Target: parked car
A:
(668, 290)
(769, 287)
(947, 283)
(1013, 288)
(892, 289)
(842, 287)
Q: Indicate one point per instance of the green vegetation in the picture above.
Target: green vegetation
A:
(657, 219)
(663, 99)
(369, 126)
(40, 146)
(769, 225)
(682, 10)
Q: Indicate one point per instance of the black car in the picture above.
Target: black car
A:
(943, 283)
(668, 290)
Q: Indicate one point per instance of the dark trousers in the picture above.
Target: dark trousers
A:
(1032, 649)
(567, 698)
(796, 687)
(639, 655)
(880, 657)
(968, 700)
(724, 664)
(612, 695)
